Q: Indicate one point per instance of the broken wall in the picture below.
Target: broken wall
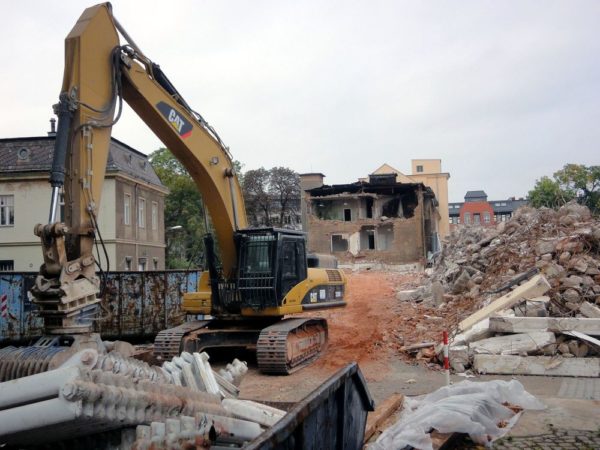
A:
(390, 240)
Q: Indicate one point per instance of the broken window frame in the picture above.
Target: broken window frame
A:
(341, 241)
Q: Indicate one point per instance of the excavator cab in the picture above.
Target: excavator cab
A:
(271, 262)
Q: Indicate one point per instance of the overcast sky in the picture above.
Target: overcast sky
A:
(503, 92)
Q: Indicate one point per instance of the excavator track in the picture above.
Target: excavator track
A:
(290, 345)
(168, 342)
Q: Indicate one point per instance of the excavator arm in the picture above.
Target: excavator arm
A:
(99, 74)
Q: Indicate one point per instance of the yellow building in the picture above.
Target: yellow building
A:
(429, 172)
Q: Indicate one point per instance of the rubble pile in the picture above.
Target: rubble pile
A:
(563, 245)
(558, 316)
(183, 403)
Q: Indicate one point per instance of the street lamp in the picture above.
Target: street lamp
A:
(169, 241)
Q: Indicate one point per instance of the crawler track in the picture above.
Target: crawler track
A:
(167, 343)
(290, 345)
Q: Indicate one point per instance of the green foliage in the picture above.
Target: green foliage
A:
(183, 207)
(573, 181)
(548, 193)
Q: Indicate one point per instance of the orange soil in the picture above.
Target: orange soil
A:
(369, 329)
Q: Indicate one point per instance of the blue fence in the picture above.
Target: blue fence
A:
(135, 305)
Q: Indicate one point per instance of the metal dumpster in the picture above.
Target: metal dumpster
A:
(136, 305)
(333, 416)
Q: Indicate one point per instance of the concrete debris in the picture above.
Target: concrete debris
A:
(537, 273)
(535, 287)
(537, 365)
(554, 324)
(16, 362)
(194, 372)
(246, 409)
(184, 404)
(589, 310)
(76, 401)
(514, 344)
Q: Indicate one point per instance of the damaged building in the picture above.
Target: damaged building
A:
(377, 220)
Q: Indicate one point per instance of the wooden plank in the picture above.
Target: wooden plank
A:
(535, 287)
(554, 324)
(381, 413)
(537, 365)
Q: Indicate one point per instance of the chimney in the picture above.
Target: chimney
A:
(52, 131)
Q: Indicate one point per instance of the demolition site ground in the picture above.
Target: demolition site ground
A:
(373, 329)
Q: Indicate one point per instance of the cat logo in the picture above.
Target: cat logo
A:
(179, 123)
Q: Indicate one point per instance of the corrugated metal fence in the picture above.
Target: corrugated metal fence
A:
(136, 304)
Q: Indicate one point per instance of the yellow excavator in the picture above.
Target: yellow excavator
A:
(262, 275)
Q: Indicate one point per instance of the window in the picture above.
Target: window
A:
(154, 216)
(467, 218)
(486, 217)
(6, 265)
(338, 243)
(127, 209)
(477, 218)
(419, 168)
(451, 220)
(142, 213)
(155, 263)
(142, 264)
(128, 263)
(347, 215)
(7, 210)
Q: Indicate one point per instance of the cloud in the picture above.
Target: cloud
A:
(502, 92)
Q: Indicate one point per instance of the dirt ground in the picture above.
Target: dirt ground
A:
(369, 330)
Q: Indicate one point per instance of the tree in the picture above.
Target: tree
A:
(284, 184)
(183, 208)
(573, 181)
(256, 195)
(548, 193)
(269, 194)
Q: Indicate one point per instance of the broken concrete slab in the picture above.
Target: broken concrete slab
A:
(554, 324)
(537, 365)
(535, 287)
(513, 344)
(589, 310)
(408, 295)
(480, 330)
(532, 308)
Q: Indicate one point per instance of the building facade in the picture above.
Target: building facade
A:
(131, 212)
(379, 220)
(477, 210)
(429, 172)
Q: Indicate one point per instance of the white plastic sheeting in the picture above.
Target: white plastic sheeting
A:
(466, 407)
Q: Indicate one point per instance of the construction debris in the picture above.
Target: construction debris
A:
(554, 324)
(519, 289)
(537, 365)
(92, 393)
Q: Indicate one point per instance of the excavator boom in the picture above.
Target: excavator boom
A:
(263, 273)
